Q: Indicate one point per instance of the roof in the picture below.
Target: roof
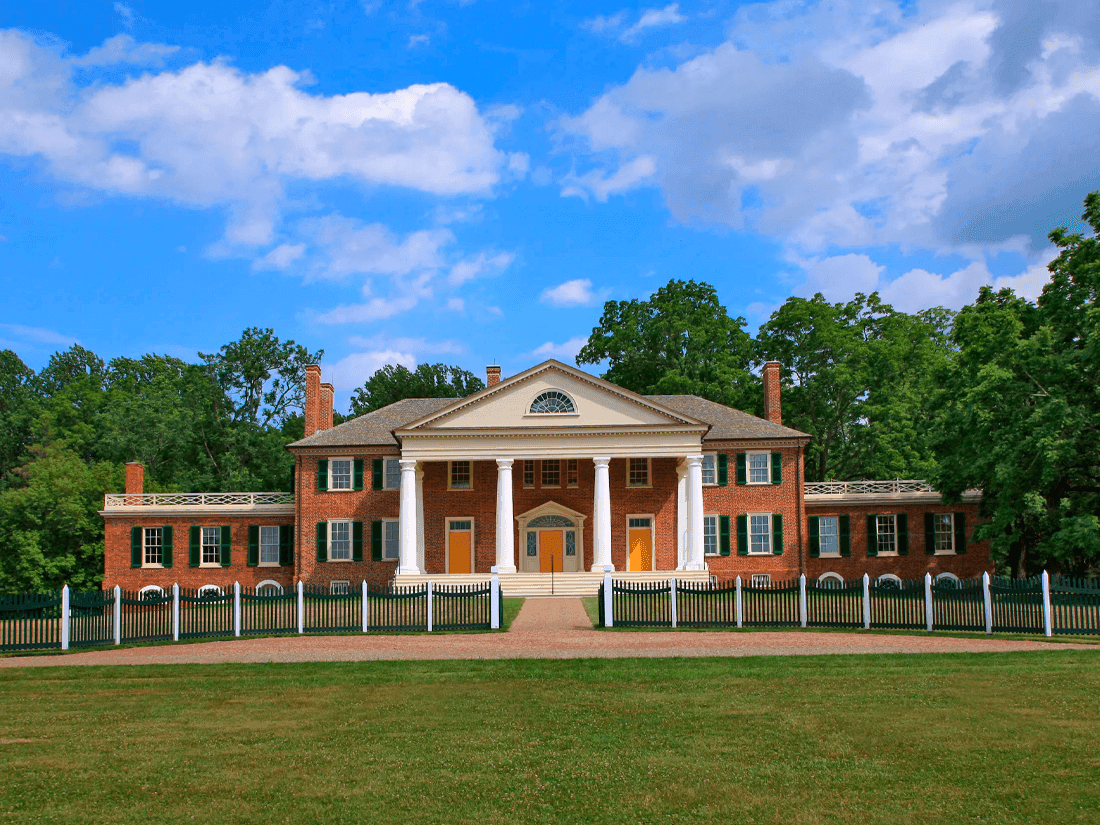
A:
(376, 428)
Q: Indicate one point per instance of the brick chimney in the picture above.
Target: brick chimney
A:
(773, 410)
(135, 480)
(492, 375)
(325, 417)
(313, 399)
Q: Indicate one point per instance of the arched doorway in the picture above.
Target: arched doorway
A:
(551, 539)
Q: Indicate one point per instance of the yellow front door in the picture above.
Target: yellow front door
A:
(458, 552)
(551, 556)
(641, 549)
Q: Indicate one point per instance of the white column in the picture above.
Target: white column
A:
(407, 519)
(506, 543)
(681, 516)
(695, 513)
(420, 517)
(601, 520)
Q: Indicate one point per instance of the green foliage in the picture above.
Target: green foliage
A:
(1018, 416)
(395, 383)
(18, 409)
(679, 341)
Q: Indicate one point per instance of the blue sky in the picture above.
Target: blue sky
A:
(400, 182)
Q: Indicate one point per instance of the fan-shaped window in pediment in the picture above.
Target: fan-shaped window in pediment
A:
(550, 521)
(553, 401)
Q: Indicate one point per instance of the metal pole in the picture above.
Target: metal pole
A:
(928, 602)
(1047, 628)
(866, 602)
(118, 615)
(65, 617)
(738, 603)
(988, 603)
(673, 601)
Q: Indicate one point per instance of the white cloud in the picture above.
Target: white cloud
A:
(615, 24)
(352, 371)
(418, 346)
(628, 176)
(280, 257)
(573, 293)
(838, 278)
(350, 246)
(126, 13)
(479, 266)
(455, 305)
(37, 335)
(566, 351)
(123, 49)
(602, 24)
(376, 309)
(419, 40)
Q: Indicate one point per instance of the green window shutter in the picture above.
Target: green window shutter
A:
(742, 535)
(960, 532)
(286, 544)
(253, 545)
(357, 474)
(872, 535)
(723, 469)
(901, 523)
(844, 526)
(196, 547)
(137, 537)
(376, 540)
(815, 537)
(357, 541)
(322, 541)
(322, 474)
(742, 469)
(929, 534)
(376, 468)
(166, 548)
(227, 546)
(777, 534)
(777, 468)
(723, 535)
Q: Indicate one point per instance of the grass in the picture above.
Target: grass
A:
(1006, 738)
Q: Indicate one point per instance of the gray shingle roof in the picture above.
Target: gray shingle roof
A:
(376, 428)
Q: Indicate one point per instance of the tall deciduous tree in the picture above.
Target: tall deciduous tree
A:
(680, 340)
(394, 382)
(18, 408)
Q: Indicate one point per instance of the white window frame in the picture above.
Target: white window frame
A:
(893, 577)
(878, 534)
(386, 539)
(149, 587)
(767, 467)
(652, 537)
(213, 587)
(332, 475)
(648, 473)
(543, 391)
(473, 538)
(713, 458)
(946, 577)
(269, 583)
(217, 547)
(717, 537)
(450, 476)
(145, 548)
(386, 473)
(836, 536)
(761, 579)
(767, 552)
(335, 589)
(351, 550)
(824, 577)
(269, 527)
(950, 534)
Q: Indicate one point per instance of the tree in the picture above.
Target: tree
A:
(18, 409)
(394, 382)
(679, 341)
(1020, 412)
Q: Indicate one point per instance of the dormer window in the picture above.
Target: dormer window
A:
(552, 401)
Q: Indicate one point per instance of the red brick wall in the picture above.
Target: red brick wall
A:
(117, 570)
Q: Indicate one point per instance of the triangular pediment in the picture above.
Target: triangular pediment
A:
(595, 403)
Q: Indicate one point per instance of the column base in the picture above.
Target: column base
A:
(505, 569)
(689, 567)
(408, 571)
(598, 568)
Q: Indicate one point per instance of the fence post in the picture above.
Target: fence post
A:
(608, 619)
(236, 608)
(176, 612)
(65, 617)
(301, 607)
(429, 605)
(673, 593)
(118, 615)
(802, 607)
(988, 601)
(866, 602)
(1047, 629)
(928, 602)
(737, 603)
(365, 602)
(494, 599)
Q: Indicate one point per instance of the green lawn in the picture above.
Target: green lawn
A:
(999, 738)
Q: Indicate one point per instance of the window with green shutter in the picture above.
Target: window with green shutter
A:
(742, 535)
(777, 534)
(376, 478)
(137, 545)
(357, 474)
(253, 545)
(777, 468)
(357, 541)
(286, 544)
(723, 469)
(227, 546)
(322, 541)
(723, 535)
(196, 546)
(815, 538)
(166, 546)
(845, 529)
(872, 535)
(902, 522)
(376, 540)
(960, 533)
(742, 469)
(930, 534)
(322, 474)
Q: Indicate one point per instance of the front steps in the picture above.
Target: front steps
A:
(546, 584)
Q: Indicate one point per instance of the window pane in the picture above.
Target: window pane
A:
(945, 532)
(340, 588)
(532, 544)
(760, 534)
(269, 545)
(639, 522)
(572, 475)
(709, 474)
(639, 472)
(828, 535)
(552, 401)
(211, 545)
(759, 468)
(761, 580)
(529, 473)
(153, 541)
(570, 543)
(710, 535)
(887, 541)
(460, 475)
(340, 547)
(551, 473)
(393, 539)
(339, 474)
(393, 474)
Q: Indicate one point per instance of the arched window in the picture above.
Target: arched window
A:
(552, 401)
(831, 580)
(210, 591)
(150, 592)
(888, 580)
(269, 588)
(550, 521)
(947, 581)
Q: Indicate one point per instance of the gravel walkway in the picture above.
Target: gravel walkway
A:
(545, 629)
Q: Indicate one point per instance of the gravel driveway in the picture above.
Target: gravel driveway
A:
(545, 629)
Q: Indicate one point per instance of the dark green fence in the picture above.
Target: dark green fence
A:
(146, 617)
(641, 604)
(959, 605)
(392, 609)
(706, 604)
(30, 621)
(1075, 605)
(461, 607)
(1017, 605)
(771, 605)
(898, 604)
(92, 618)
(206, 613)
(327, 612)
(833, 603)
(268, 612)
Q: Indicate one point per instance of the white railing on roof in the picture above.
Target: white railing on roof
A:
(194, 499)
(870, 488)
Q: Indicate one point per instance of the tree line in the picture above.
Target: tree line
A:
(1002, 396)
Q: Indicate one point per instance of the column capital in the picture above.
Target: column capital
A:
(505, 463)
(694, 460)
(407, 464)
(601, 460)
